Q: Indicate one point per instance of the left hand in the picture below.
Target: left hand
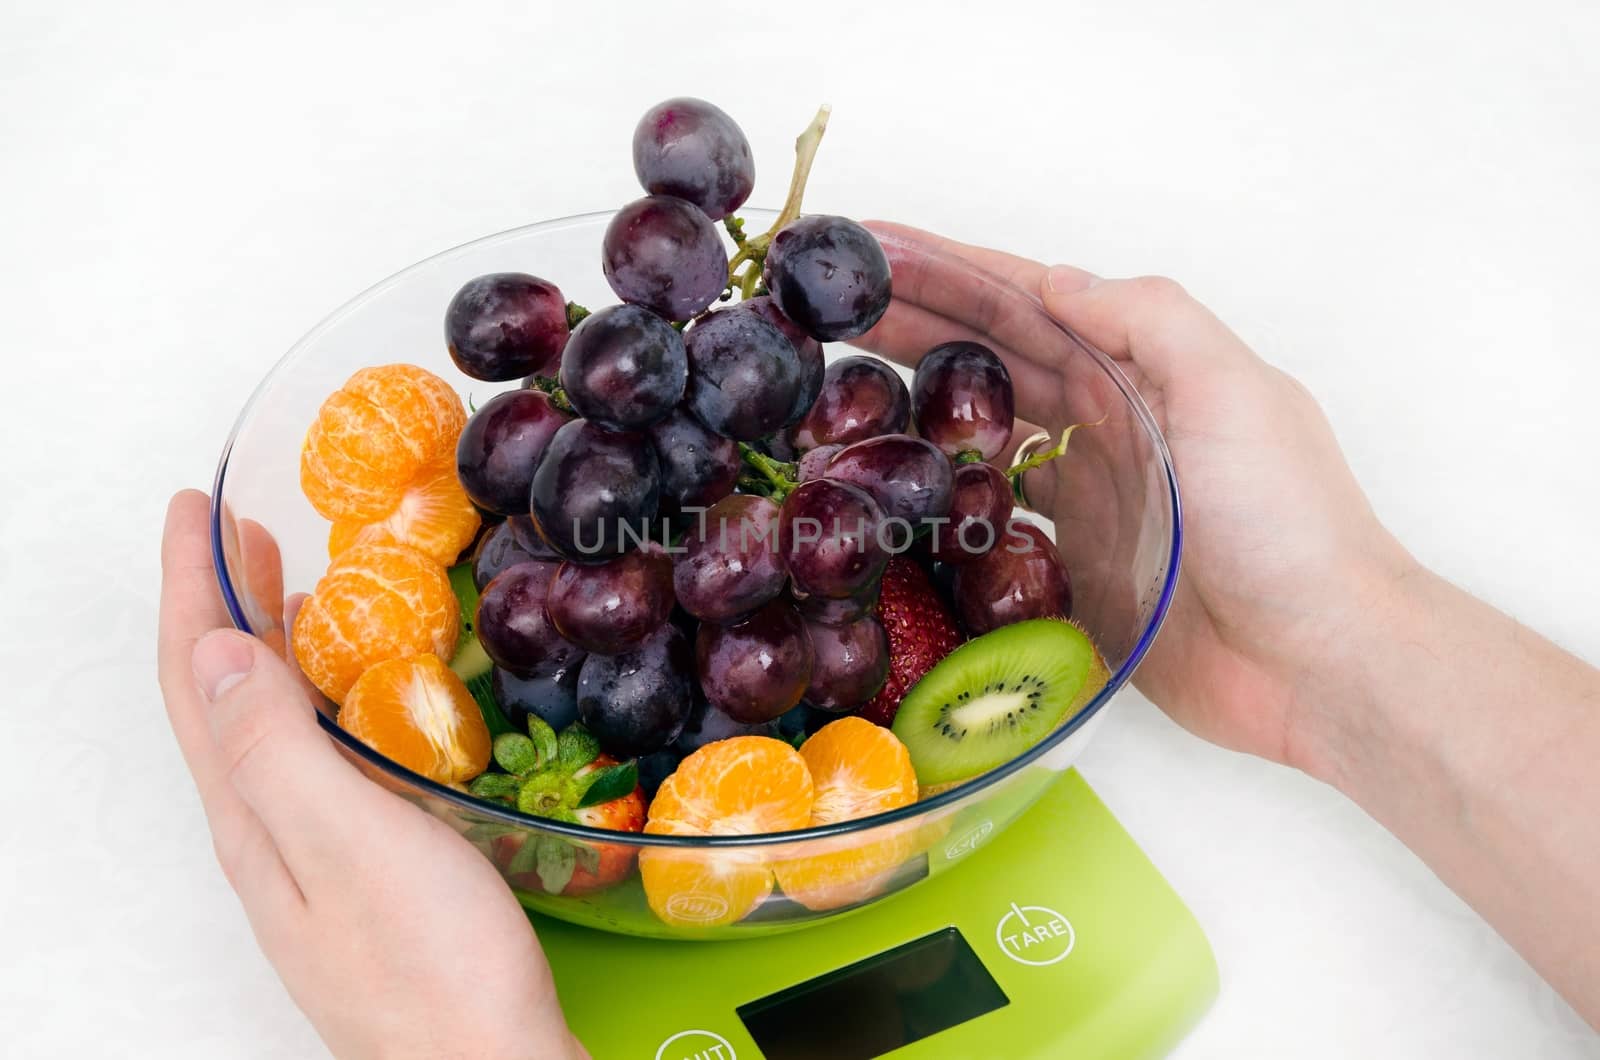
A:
(392, 934)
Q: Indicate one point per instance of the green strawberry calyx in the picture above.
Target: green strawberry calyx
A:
(546, 776)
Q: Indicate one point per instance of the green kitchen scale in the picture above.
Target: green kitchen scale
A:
(1060, 939)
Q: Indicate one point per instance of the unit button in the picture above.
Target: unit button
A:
(696, 1045)
(1034, 934)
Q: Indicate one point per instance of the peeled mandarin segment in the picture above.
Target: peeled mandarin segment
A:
(859, 769)
(417, 712)
(372, 435)
(425, 410)
(336, 482)
(376, 603)
(702, 888)
(433, 515)
(746, 785)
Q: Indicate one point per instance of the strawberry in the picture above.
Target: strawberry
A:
(921, 631)
(564, 778)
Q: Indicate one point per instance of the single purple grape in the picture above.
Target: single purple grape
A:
(664, 254)
(513, 626)
(497, 550)
(980, 507)
(505, 325)
(1022, 577)
(757, 669)
(962, 400)
(612, 607)
(909, 477)
(851, 663)
(707, 724)
(698, 466)
(835, 611)
(552, 697)
(595, 491)
(526, 533)
(624, 368)
(808, 349)
(861, 397)
(730, 562)
(501, 444)
(743, 374)
(656, 767)
(689, 148)
(829, 275)
(814, 464)
(636, 703)
(831, 534)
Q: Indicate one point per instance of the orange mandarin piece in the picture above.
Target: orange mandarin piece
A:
(417, 712)
(371, 437)
(859, 769)
(426, 411)
(433, 516)
(376, 603)
(746, 785)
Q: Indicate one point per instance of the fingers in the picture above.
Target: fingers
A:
(316, 806)
(191, 607)
(1151, 321)
(1013, 269)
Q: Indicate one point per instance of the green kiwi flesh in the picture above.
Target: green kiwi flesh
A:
(994, 697)
(471, 663)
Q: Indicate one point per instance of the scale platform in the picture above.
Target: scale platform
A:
(1058, 939)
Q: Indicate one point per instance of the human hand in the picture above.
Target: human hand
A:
(392, 934)
(1284, 558)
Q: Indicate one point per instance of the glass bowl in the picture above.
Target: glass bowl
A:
(1116, 524)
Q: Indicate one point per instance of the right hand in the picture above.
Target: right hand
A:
(1284, 558)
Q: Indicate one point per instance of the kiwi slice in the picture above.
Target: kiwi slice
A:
(471, 663)
(994, 697)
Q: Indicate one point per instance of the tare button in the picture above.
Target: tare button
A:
(1034, 934)
(696, 1045)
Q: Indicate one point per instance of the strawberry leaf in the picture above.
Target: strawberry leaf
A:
(613, 782)
(555, 863)
(525, 858)
(495, 786)
(515, 753)
(487, 830)
(576, 748)
(544, 740)
(588, 857)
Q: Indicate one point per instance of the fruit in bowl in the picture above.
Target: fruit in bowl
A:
(689, 624)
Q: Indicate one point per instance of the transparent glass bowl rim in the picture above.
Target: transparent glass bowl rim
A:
(468, 803)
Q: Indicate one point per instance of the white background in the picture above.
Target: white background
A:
(1395, 201)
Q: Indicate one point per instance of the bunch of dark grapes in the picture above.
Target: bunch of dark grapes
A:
(661, 574)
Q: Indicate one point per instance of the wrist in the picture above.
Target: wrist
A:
(1342, 688)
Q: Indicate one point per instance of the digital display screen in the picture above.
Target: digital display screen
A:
(876, 1005)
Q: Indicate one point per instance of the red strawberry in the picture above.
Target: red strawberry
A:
(565, 779)
(921, 631)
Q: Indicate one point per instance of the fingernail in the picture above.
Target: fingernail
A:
(1064, 279)
(222, 658)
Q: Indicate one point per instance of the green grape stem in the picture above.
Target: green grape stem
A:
(549, 384)
(1039, 459)
(752, 253)
(772, 478)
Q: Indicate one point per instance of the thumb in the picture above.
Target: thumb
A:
(275, 756)
(1150, 320)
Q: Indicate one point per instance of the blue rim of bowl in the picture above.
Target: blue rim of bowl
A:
(470, 804)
